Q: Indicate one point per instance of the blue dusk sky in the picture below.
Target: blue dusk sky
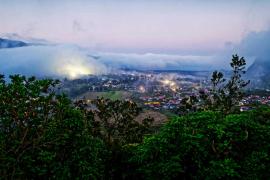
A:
(139, 26)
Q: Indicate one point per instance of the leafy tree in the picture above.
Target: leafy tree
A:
(224, 95)
(43, 136)
(115, 122)
(228, 95)
(188, 105)
(207, 145)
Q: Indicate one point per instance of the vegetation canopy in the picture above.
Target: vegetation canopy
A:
(44, 135)
(224, 95)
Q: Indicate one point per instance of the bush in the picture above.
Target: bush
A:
(207, 145)
(43, 136)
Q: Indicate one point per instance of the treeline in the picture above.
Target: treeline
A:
(44, 135)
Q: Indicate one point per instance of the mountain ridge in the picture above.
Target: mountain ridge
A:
(8, 43)
(259, 73)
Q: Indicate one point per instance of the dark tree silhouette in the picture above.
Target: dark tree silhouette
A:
(224, 95)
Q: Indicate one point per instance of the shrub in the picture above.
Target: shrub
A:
(43, 136)
(207, 145)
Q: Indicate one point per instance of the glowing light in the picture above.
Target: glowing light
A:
(141, 89)
(173, 89)
(172, 85)
(75, 71)
(166, 82)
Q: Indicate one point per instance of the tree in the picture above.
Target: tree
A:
(42, 135)
(224, 95)
(188, 105)
(115, 121)
(227, 96)
(207, 145)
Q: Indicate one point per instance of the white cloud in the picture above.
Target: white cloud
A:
(151, 61)
(57, 61)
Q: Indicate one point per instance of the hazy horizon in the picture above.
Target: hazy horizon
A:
(141, 26)
(139, 34)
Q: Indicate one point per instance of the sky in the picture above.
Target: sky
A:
(137, 34)
(139, 26)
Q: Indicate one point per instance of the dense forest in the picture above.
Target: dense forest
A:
(45, 135)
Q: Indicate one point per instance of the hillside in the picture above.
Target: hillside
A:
(259, 73)
(113, 95)
(7, 43)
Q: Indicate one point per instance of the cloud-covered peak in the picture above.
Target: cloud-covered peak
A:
(7, 43)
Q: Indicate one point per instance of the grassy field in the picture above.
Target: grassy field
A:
(113, 95)
(159, 118)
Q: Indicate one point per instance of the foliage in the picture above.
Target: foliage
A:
(45, 136)
(207, 145)
(115, 123)
(42, 135)
(224, 95)
(229, 95)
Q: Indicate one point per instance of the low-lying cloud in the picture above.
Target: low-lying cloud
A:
(49, 61)
(256, 44)
(73, 62)
(151, 61)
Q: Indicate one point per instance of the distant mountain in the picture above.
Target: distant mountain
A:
(7, 43)
(28, 40)
(259, 73)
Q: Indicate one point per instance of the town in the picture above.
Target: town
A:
(153, 90)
